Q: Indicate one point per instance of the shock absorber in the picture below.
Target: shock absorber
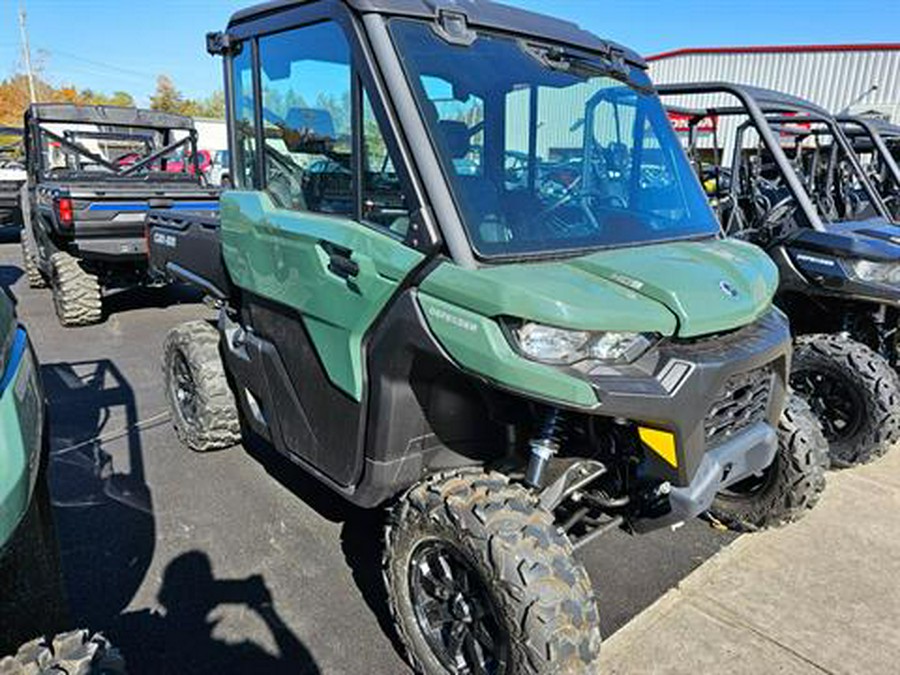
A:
(545, 445)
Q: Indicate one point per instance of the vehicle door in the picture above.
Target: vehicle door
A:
(316, 232)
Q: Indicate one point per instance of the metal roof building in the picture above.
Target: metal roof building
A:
(858, 78)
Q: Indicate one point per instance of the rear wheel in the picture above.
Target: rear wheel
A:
(76, 294)
(790, 486)
(74, 652)
(853, 392)
(29, 262)
(480, 581)
(204, 411)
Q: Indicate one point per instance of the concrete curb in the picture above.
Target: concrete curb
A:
(819, 596)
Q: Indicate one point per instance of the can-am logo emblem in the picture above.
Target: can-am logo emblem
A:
(728, 289)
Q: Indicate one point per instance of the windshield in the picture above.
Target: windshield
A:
(549, 152)
(114, 152)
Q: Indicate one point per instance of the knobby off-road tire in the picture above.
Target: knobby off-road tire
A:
(791, 485)
(541, 599)
(853, 391)
(29, 263)
(76, 294)
(203, 407)
(75, 653)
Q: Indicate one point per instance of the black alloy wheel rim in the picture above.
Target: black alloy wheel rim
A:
(455, 612)
(836, 405)
(184, 390)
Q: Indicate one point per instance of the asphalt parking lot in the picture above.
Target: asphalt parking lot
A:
(232, 562)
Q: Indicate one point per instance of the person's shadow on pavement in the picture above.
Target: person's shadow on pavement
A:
(180, 640)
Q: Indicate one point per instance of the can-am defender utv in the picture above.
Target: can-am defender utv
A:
(413, 314)
(93, 173)
(877, 144)
(782, 175)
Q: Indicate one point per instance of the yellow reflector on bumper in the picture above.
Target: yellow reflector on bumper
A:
(661, 442)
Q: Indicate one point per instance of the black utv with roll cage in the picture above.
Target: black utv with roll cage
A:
(877, 144)
(781, 173)
(93, 173)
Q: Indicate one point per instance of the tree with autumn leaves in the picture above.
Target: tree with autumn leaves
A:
(14, 98)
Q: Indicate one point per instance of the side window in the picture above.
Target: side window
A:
(245, 152)
(306, 100)
(384, 203)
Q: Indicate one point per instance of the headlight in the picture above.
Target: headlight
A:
(560, 346)
(876, 272)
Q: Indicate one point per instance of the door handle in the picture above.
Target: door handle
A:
(340, 262)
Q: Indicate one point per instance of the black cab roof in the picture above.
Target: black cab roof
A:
(106, 114)
(478, 13)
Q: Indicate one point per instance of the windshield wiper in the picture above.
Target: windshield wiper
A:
(557, 58)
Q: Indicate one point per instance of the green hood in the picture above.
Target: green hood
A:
(683, 288)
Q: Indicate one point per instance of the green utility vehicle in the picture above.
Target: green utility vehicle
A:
(21, 422)
(467, 273)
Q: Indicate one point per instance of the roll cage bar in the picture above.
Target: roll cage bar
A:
(40, 114)
(759, 105)
(875, 131)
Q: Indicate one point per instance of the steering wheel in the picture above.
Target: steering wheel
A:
(780, 214)
(567, 196)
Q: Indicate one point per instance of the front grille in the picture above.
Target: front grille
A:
(742, 402)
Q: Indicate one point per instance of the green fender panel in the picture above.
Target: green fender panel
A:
(477, 343)
(281, 255)
(21, 424)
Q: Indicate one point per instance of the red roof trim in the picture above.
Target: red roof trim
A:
(777, 49)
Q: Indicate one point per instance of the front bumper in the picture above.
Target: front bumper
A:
(21, 434)
(748, 453)
(678, 387)
(719, 399)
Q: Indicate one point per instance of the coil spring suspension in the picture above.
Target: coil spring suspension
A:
(545, 445)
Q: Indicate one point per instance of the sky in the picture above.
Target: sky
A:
(110, 45)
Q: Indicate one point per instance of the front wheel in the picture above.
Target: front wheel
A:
(854, 393)
(480, 581)
(790, 486)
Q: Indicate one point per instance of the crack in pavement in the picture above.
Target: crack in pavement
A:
(714, 609)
